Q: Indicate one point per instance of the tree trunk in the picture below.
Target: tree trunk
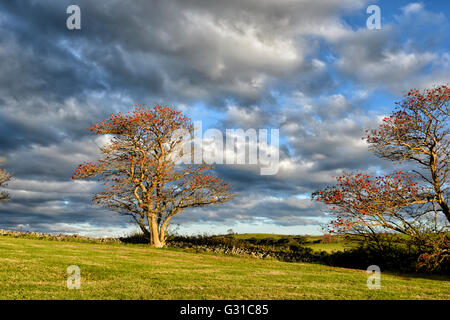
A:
(437, 186)
(154, 234)
(445, 209)
(162, 237)
(144, 231)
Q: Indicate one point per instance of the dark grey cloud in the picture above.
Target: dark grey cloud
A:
(178, 50)
(38, 204)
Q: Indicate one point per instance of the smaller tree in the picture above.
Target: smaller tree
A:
(5, 177)
(412, 203)
(326, 238)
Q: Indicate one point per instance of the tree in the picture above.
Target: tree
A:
(142, 173)
(5, 177)
(414, 202)
(368, 204)
(419, 133)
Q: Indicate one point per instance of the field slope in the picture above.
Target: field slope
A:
(36, 269)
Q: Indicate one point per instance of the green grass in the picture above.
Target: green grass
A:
(332, 246)
(36, 269)
(244, 236)
(313, 242)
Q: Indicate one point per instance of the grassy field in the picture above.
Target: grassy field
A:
(313, 242)
(36, 269)
(331, 247)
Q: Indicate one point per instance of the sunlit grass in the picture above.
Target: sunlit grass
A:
(36, 269)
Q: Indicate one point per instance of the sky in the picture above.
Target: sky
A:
(312, 69)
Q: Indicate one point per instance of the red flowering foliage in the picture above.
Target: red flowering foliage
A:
(436, 255)
(418, 127)
(85, 170)
(161, 118)
(199, 181)
(359, 199)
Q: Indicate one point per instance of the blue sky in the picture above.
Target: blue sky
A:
(311, 69)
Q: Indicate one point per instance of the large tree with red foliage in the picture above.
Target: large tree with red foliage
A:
(142, 172)
(414, 202)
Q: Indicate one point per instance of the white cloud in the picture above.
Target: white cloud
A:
(413, 7)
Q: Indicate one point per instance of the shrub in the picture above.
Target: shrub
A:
(326, 238)
(300, 239)
(137, 238)
(436, 257)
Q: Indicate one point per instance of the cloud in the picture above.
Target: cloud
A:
(289, 211)
(400, 56)
(298, 66)
(412, 8)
